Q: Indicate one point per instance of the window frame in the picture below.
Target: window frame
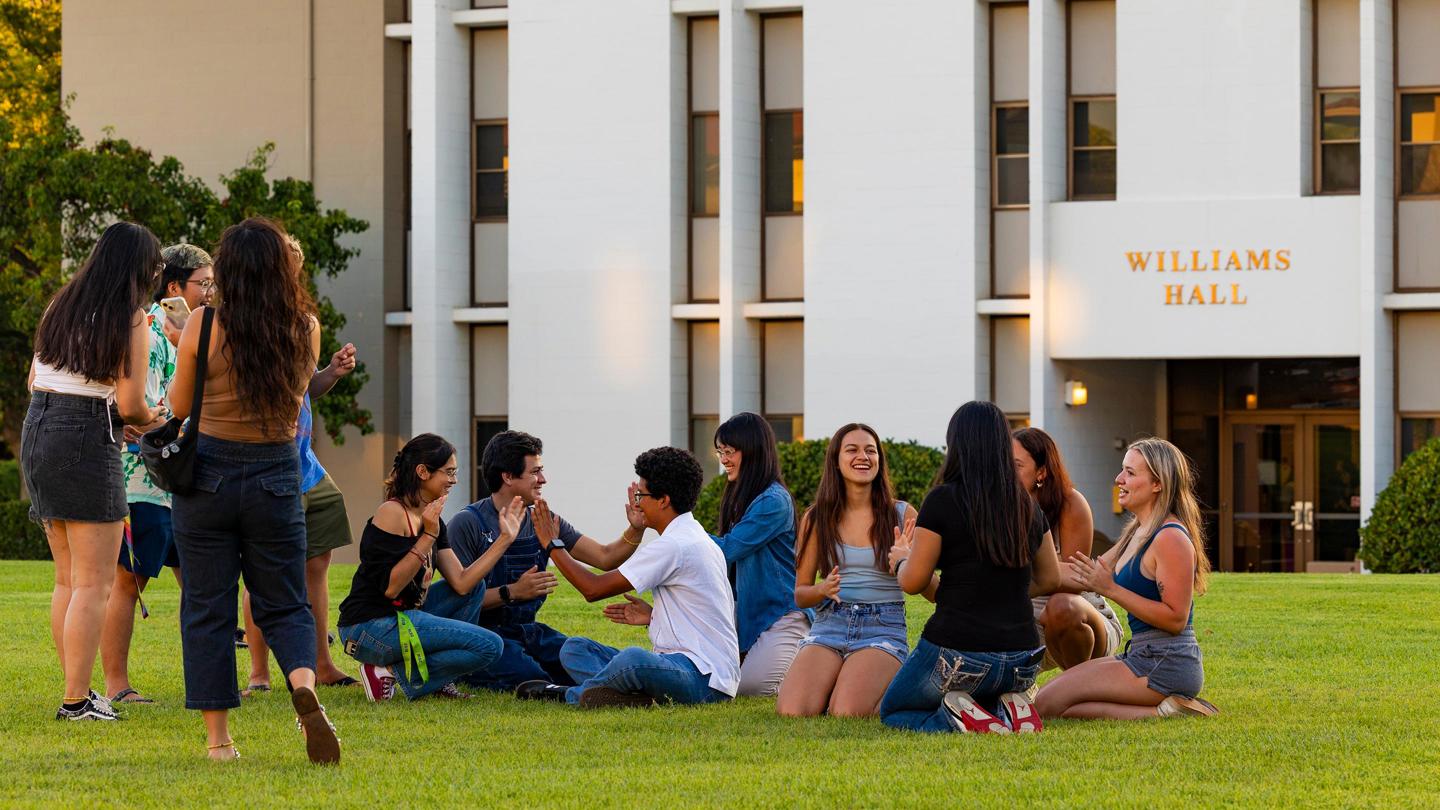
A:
(765, 215)
(1400, 94)
(1318, 143)
(476, 171)
(995, 156)
(1071, 149)
(765, 412)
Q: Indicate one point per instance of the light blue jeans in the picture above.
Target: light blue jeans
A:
(913, 700)
(452, 649)
(665, 677)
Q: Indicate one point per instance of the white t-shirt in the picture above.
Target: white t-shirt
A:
(694, 609)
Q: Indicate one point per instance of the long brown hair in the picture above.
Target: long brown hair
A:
(1056, 483)
(1172, 470)
(823, 518)
(86, 329)
(267, 315)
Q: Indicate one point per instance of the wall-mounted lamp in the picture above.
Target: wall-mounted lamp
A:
(1076, 394)
(1251, 401)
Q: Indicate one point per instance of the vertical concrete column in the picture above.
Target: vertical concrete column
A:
(1376, 266)
(1047, 184)
(740, 128)
(440, 243)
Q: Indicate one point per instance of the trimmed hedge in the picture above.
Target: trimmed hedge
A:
(1402, 535)
(20, 538)
(912, 469)
(9, 480)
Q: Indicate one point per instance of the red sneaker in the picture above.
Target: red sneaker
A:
(969, 717)
(1019, 713)
(378, 682)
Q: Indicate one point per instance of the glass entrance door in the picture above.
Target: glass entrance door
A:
(1290, 492)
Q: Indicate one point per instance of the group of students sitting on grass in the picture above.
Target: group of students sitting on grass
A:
(821, 624)
(139, 337)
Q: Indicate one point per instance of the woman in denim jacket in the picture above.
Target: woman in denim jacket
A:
(757, 535)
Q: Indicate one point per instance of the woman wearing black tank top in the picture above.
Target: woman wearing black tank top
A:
(1153, 572)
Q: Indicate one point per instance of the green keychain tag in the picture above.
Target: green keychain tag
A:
(410, 646)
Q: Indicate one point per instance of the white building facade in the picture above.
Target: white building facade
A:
(1212, 220)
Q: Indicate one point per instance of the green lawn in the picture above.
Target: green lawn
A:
(1325, 684)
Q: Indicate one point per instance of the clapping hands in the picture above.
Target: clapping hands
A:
(1095, 575)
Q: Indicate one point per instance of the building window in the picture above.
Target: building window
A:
(705, 165)
(492, 170)
(1012, 155)
(785, 162)
(1093, 145)
(1338, 137)
(782, 353)
(704, 374)
(1420, 143)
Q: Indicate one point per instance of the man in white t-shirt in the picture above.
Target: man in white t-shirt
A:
(696, 657)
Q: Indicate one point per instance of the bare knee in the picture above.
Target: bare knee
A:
(1064, 612)
(788, 705)
(125, 585)
(849, 706)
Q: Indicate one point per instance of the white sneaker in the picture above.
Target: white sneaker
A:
(88, 710)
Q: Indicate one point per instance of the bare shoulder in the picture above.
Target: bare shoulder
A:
(391, 517)
(1076, 504)
(1172, 545)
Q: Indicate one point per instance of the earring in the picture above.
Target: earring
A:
(1039, 484)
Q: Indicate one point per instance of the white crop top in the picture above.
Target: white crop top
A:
(68, 382)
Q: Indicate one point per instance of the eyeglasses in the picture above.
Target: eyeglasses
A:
(726, 454)
(453, 473)
(638, 495)
(205, 283)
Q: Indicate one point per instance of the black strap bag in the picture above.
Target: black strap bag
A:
(168, 451)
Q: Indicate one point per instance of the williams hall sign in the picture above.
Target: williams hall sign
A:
(1207, 277)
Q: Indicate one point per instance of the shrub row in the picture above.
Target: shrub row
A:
(20, 538)
(1402, 535)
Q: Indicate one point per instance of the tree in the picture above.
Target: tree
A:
(57, 194)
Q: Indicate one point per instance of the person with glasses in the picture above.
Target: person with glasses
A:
(149, 542)
(387, 623)
(694, 657)
(515, 589)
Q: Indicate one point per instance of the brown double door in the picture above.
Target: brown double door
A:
(1290, 491)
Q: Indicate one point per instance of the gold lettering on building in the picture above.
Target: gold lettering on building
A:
(1219, 261)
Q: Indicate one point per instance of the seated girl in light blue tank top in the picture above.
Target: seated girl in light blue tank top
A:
(861, 617)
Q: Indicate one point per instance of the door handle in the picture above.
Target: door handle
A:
(1298, 510)
(1309, 516)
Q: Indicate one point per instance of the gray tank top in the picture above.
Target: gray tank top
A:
(860, 581)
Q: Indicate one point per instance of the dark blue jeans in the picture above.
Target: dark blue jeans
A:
(244, 517)
(913, 700)
(452, 648)
(664, 676)
(531, 650)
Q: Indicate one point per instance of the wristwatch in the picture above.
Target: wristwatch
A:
(505, 595)
(554, 544)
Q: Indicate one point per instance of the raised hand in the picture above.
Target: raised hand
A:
(533, 583)
(431, 516)
(1092, 575)
(633, 610)
(633, 515)
(342, 362)
(904, 541)
(830, 587)
(546, 527)
(510, 519)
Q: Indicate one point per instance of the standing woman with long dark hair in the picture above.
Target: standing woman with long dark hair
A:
(757, 535)
(244, 514)
(91, 356)
(979, 653)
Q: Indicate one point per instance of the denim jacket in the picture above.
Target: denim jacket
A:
(761, 550)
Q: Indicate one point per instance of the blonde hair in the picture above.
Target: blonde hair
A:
(1171, 469)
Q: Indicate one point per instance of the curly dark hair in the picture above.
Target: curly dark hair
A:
(267, 315)
(505, 453)
(674, 472)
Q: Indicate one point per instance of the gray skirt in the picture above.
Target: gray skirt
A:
(70, 458)
(1172, 663)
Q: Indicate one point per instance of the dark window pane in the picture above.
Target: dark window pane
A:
(1012, 130)
(490, 194)
(784, 163)
(1419, 115)
(787, 428)
(705, 165)
(1012, 185)
(1415, 432)
(1341, 121)
(1311, 384)
(1095, 173)
(1340, 167)
(1095, 123)
(1420, 169)
(491, 149)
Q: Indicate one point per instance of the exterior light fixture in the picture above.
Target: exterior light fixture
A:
(1076, 394)
(1251, 401)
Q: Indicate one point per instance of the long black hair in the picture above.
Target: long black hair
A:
(979, 471)
(86, 330)
(759, 464)
(403, 483)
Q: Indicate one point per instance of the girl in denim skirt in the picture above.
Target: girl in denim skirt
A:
(858, 641)
(91, 352)
(1153, 572)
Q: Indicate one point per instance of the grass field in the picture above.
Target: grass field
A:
(1326, 684)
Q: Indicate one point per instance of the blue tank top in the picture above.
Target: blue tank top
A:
(1131, 578)
(860, 581)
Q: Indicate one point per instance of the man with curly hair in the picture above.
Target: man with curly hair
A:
(696, 657)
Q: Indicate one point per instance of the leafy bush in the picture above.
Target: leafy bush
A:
(9, 480)
(20, 538)
(1402, 535)
(912, 469)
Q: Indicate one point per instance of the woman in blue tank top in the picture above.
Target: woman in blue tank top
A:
(1153, 572)
(858, 640)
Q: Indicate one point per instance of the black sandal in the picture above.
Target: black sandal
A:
(345, 681)
(124, 693)
(321, 744)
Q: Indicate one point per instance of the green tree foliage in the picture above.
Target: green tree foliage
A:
(912, 470)
(1402, 535)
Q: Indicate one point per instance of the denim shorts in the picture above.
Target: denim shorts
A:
(1172, 663)
(152, 540)
(848, 627)
(70, 457)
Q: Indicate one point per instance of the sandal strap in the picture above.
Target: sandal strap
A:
(226, 744)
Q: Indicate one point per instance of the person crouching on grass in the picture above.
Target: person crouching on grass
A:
(696, 657)
(383, 622)
(1155, 580)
